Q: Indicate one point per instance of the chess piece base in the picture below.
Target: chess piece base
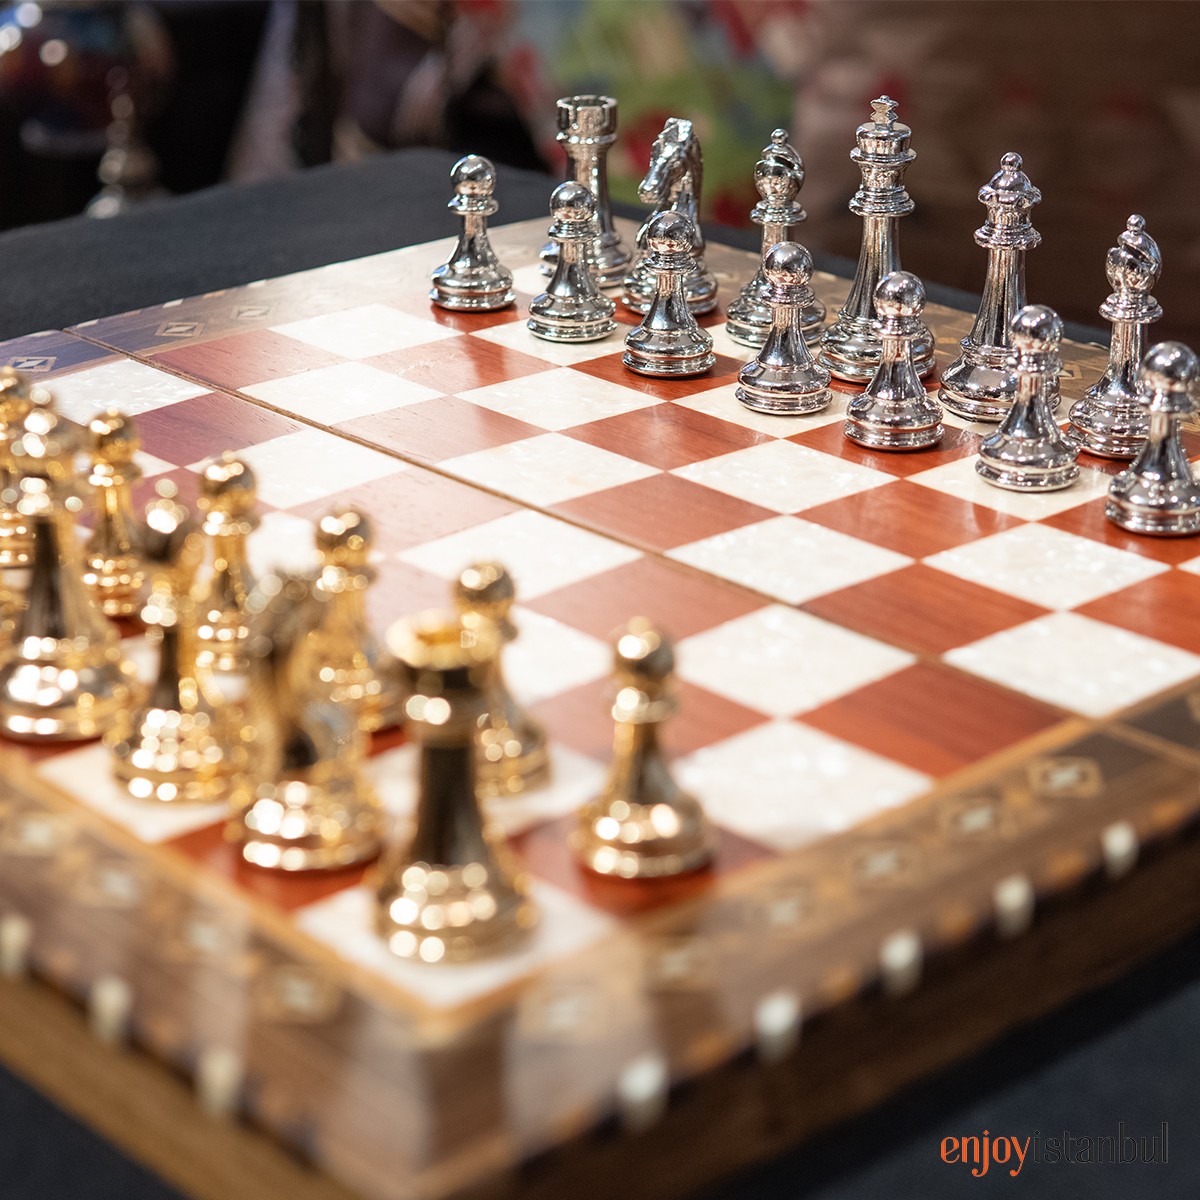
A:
(851, 350)
(877, 436)
(979, 387)
(646, 362)
(1109, 429)
(511, 757)
(699, 288)
(1155, 524)
(748, 323)
(115, 585)
(779, 402)
(634, 847)
(44, 702)
(562, 330)
(1018, 477)
(456, 297)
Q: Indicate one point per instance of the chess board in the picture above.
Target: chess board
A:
(944, 732)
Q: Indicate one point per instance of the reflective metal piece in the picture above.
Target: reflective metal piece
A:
(642, 826)
(512, 746)
(1029, 453)
(112, 567)
(1111, 420)
(228, 495)
(672, 184)
(587, 128)
(778, 175)
(302, 803)
(473, 278)
(668, 341)
(850, 347)
(63, 676)
(453, 892)
(181, 744)
(894, 412)
(785, 378)
(1158, 493)
(17, 397)
(980, 384)
(346, 657)
(572, 308)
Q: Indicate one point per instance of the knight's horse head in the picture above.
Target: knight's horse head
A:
(673, 158)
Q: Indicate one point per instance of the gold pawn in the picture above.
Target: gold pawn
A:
(512, 746)
(112, 567)
(302, 802)
(62, 676)
(346, 656)
(453, 892)
(176, 748)
(228, 495)
(642, 826)
(17, 398)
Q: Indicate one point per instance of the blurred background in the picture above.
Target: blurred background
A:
(108, 105)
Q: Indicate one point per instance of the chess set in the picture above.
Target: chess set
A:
(847, 697)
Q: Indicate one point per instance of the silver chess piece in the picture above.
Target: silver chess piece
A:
(1110, 420)
(980, 384)
(473, 277)
(778, 175)
(672, 184)
(668, 341)
(587, 128)
(894, 412)
(785, 378)
(850, 347)
(572, 308)
(1158, 493)
(1029, 453)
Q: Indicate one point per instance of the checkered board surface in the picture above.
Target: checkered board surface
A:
(853, 627)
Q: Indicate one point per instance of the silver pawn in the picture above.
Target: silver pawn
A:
(572, 309)
(587, 128)
(1110, 420)
(668, 341)
(473, 278)
(850, 348)
(778, 175)
(1158, 493)
(894, 412)
(980, 384)
(785, 378)
(1029, 453)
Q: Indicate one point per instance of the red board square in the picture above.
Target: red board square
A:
(662, 512)
(1088, 520)
(438, 429)
(245, 358)
(667, 436)
(205, 426)
(1166, 607)
(610, 367)
(932, 718)
(678, 599)
(955, 444)
(458, 364)
(924, 610)
(910, 519)
(401, 590)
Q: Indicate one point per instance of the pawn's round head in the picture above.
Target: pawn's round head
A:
(486, 588)
(670, 233)
(344, 537)
(900, 294)
(473, 175)
(788, 264)
(1036, 329)
(113, 437)
(228, 485)
(1169, 367)
(572, 201)
(643, 652)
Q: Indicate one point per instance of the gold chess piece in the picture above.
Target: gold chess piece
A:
(228, 495)
(17, 397)
(453, 892)
(112, 567)
(62, 676)
(512, 746)
(302, 803)
(346, 655)
(176, 747)
(642, 826)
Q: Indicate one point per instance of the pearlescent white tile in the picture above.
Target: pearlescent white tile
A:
(282, 542)
(547, 469)
(783, 476)
(530, 279)
(541, 553)
(131, 387)
(1077, 663)
(785, 784)
(345, 922)
(364, 331)
(959, 478)
(789, 558)
(151, 466)
(516, 336)
(722, 402)
(87, 775)
(558, 399)
(310, 464)
(340, 393)
(549, 657)
(783, 662)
